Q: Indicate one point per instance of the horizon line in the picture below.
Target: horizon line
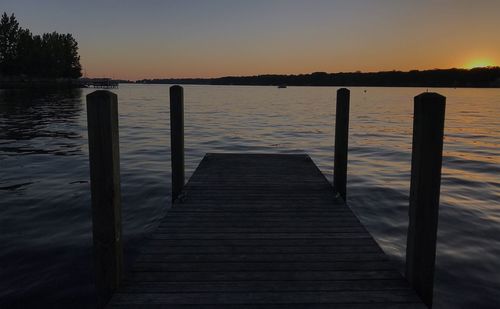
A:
(296, 74)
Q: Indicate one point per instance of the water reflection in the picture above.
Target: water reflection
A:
(44, 236)
(46, 118)
(45, 244)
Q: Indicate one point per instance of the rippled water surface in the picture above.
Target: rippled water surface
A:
(45, 227)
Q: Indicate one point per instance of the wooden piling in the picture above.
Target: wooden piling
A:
(177, 139)
(341, 142)
(428, 127)
(102, 118)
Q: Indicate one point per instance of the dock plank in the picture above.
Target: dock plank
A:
(262, 231)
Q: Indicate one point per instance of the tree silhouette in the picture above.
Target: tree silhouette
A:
(22, 54)
(9, 30)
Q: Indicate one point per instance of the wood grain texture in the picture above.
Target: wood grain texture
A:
(341, 142)
(262, 231)
(177, 139)
(427, 155)
(104, 162)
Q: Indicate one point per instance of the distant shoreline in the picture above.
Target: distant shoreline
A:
(319, 86)
(448, 78)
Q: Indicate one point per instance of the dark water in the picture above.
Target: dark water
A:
(45, 240)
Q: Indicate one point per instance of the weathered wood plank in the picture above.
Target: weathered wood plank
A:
(262, 231)
(263, 275)
(266, 242)
(253, 218)
(385, 305)
(254, 214)
(264, 286)
(268, 297)
(254, 250)
(261, 266)
(258, 235)
(260, 222)
(262, 227)
(259, 207)
(246, 257)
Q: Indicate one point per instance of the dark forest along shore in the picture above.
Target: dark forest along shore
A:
(30, 60)
(45, 219)
(483, 77)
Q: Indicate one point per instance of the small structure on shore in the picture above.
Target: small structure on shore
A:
(106, 83)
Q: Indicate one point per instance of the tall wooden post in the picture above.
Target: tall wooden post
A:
(341, 142)
(177, 139)
(104, 156)
(427, 152)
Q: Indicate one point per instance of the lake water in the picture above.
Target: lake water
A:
(45, 218)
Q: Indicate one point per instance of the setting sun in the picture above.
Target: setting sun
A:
(479, 63)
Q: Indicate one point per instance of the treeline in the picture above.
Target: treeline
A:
(477, 77)
(50, 55)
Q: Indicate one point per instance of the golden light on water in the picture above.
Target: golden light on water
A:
(479, 63)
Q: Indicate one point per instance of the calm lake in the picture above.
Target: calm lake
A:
(45, 218)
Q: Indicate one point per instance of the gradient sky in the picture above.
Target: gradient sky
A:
(208, 38)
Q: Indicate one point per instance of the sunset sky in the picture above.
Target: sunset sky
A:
(211, 38)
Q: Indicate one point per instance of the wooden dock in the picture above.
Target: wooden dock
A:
(262, 231)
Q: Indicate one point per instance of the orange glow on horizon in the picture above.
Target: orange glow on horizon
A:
(479, 63)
